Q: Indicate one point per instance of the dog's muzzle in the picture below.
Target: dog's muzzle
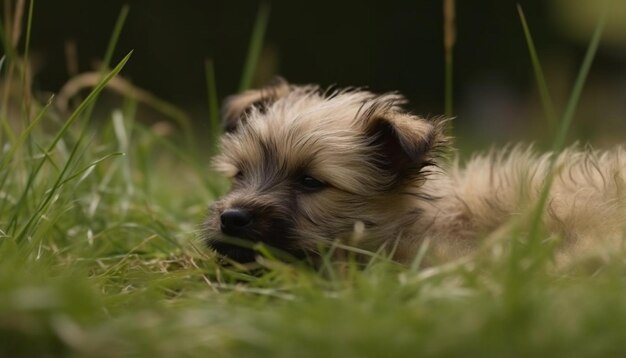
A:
(236, 230)
(236, 225)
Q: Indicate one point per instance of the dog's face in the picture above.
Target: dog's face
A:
(306, 166)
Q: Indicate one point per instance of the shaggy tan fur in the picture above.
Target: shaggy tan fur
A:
(382, 170)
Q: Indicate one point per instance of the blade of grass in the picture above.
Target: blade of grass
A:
(160, 105)
(122, 134)
(256, 44)
(419, 258)
(574, 98)
(108, 55)
(9, 51)
(6, 159)
(25, 133)
(3, 120)
(544, 93)
(10, 40)
(10, 56)
(448, 44)
(25, 74)
(41, 209)
(89, 166)
(89, 100)
(115, 35)
(214, 112)
(563, 130)
(529, 256)
(16, 33)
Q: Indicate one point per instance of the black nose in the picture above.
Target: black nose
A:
(235, 221)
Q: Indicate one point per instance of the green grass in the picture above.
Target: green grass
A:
(99, 256)
(255, 46)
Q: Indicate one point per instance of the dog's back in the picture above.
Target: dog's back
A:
(586, 206)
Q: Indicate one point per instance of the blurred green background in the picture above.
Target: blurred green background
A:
(384, 45)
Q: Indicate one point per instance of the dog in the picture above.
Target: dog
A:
(311, 167)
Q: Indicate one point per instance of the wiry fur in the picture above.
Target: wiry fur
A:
(383, 169)
(586, 206)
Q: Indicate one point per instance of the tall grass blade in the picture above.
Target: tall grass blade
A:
(542, 86)
(579, 84)
(115, 36)
(108, 55)
(256, 44)
(11, 154)
(5, 124)
(9, 57)
(90, 166)
(563, 130)
(449, 39)
(25, 134)
(25, 74)
(214, 112)
(90, 98)
(9, 51)
(8, 44)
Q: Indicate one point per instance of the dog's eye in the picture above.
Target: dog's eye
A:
(311, 184)
(238, 176)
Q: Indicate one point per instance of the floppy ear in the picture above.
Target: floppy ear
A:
(407, 143)
(236, 107)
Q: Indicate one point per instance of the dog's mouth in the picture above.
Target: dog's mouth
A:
(244, 251)
(234, 252)
(263, 235)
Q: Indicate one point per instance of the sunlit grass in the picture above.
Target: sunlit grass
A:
(99, 256)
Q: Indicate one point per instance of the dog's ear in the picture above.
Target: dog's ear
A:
(236, 107)
(407, 143)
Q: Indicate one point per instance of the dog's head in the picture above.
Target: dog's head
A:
(307, 165)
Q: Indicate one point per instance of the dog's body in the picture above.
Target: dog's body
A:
(586, 204)
(308, 167)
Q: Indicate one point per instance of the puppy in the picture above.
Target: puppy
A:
(308, 167)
